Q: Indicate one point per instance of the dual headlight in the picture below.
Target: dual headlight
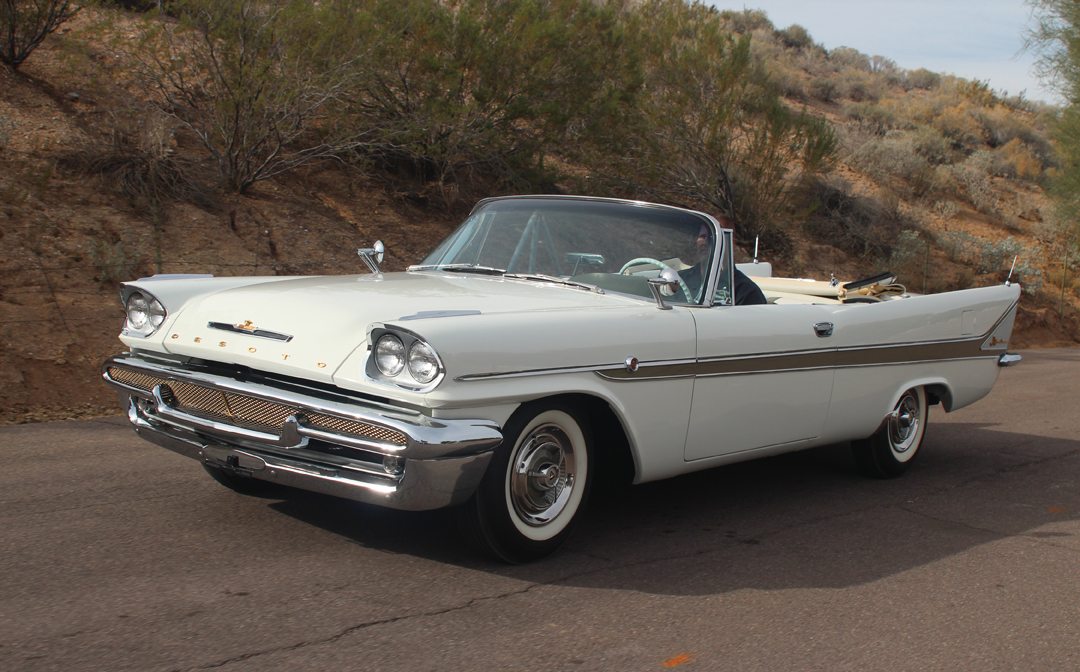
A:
(405, 359)
(144, 314)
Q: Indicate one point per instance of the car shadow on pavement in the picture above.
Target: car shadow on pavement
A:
(804, 520)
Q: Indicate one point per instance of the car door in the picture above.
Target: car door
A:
(763, 378)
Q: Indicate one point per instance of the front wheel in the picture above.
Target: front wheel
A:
(536, 485)
(894, 446)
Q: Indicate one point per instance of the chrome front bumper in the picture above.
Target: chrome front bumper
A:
(303, 437)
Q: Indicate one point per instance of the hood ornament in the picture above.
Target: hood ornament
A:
(248, 327)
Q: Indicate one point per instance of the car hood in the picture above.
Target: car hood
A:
(309, 326)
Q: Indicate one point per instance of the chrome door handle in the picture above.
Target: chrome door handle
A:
(823, 329)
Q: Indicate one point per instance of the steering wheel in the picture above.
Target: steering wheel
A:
(663, 267)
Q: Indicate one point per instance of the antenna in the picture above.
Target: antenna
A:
(1011, 269)
(756, 238)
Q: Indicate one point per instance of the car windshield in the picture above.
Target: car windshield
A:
(616, 246)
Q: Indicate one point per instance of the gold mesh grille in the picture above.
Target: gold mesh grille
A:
(199, 398)
(249, 411)
(329, 423)
(133, 378)
(258, 411)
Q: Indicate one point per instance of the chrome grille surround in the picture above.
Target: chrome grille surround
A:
(248, 411)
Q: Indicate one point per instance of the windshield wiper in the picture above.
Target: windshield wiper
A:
(458, 268)
(551, 278)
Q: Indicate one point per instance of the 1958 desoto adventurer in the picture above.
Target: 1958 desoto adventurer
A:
(548, 340)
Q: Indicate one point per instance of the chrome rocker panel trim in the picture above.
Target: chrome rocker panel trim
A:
(440, 464)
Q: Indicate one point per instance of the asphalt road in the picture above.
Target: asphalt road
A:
(118, 555)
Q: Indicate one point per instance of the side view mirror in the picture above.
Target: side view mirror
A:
(373, 256)
(665, 285)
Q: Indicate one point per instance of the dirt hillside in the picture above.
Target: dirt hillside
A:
(70, 237)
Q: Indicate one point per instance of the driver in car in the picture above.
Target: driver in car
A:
(697, 258)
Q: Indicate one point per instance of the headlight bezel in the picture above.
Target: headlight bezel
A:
(144, 313)
(405, 378)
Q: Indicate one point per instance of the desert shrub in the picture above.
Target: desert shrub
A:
(871, 117)
(908, 257)
(814, 62)
(1016, 160)
(471, 97)
(710, 127)
(859, 85)
(882, 65)
(973, 90)
(974, 179)
(959, 246)
(1000, 125)
(24, 25)
(932, 146)
(254, 81)
(788, 81)
(957, 124)
(795, 37)
(846, 57)
(138, 159)
(823, 89)
(747, 20)
(994, 257)
(859, 225)
(946, 209)
(922, 78)
(894, 157)
(997, 256)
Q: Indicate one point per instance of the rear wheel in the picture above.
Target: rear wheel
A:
(536, 485)
(894, 446)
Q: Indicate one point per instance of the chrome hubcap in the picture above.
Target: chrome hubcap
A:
(904, 423)
(542, 478)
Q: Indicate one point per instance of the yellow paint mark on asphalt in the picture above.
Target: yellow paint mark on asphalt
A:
(675, 661)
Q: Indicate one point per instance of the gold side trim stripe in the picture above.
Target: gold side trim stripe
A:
(817, 359)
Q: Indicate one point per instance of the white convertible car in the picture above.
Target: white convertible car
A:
(548, 341)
